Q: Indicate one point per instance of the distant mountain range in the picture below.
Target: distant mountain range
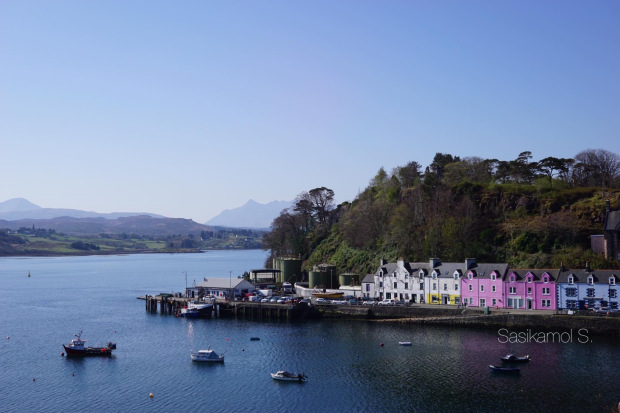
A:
(251, 215)
(20, 208)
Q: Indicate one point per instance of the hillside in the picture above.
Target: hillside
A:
(251, 215)
(528, 214)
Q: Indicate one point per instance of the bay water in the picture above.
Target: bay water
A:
(445, 369)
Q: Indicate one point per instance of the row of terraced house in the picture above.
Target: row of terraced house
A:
(492, 285)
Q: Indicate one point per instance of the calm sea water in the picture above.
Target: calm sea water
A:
(445, 370)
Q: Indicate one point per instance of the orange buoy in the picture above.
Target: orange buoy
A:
(151, 395)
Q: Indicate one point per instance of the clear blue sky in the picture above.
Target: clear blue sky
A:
(188, 108)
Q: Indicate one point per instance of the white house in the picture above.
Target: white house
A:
(368, 286)
(221, 288)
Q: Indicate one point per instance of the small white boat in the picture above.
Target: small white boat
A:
(286, 376)
(404, 343)
(206, 355)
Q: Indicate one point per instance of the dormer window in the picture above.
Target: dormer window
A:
(470, 276)
(529, 279)
(434, 275)
(571, 279)
(421, 274)
(512, 278)
(590, 280)
(545, 279)
(612, 281)
(493, 277)
(456, 275)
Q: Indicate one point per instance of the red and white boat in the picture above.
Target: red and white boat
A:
(77, 347)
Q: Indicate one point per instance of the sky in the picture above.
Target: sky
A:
(189, 108)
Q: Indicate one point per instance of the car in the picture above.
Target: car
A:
(340, 302)
(264, 300)
(281, 300)
(305, 301)
(322, 301)
(387, 302)
(274, 300)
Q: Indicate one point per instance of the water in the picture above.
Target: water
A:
(444, 370)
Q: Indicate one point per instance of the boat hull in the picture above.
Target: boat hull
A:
(513, 370)
(299, 378)
(328, 295)
(88, 351)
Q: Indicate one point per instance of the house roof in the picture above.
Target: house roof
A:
(369, 279)
(521, 273)
(485, 270)
(221, 283)
(581, 276)
(612, 221)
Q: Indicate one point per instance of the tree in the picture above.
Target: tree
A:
(550, 166)
(596, 167)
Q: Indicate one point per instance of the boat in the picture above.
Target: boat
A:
(404, 343)
(505, 369)
(190, 312)
(254, 338)
(284, 375)
(516, 359)
(330, 296)
(77, 347)
(197, 309)
(206, 355)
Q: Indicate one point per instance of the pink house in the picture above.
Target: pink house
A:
(482, 284)
(530, 289)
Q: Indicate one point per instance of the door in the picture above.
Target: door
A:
(529, 304)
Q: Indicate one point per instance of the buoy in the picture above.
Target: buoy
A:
(62, 354)
(381, 344)
(151, 395)
(7, 337)
(73, 374)
(226, 338)
(242, 349)
(33, 379)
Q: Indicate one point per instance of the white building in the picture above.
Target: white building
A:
(221, 288)
(368, 286)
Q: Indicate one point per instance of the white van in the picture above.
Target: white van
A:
(287, 288)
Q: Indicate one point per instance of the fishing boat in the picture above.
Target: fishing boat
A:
(330, 296)
(197, 309)
(404, 343)
(284, 375)
(77, 347)
(516, 359)
(505, 369)
(206, 355)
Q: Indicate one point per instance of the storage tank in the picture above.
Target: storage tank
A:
(316, 278)
(291, 269)
(331, 275)
(345, 279)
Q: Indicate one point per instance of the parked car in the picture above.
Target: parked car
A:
(281, 300)
(306, 301)
(264, 300)
(274, 300)
(322, 301)
(387, 302)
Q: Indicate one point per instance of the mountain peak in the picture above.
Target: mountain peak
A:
(17, 204)
(251, 215)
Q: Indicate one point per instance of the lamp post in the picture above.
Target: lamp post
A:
(230, 285)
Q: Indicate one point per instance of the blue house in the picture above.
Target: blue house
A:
(587, 288)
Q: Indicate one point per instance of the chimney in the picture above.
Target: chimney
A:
(401, 262)
(469, 263)
(607, 206)
(383, 261)
(562, 267)
(434, 262)
(588, 269)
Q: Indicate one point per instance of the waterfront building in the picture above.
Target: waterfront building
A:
(482, 284)
(221, 288)
(368, 286)
(587, 288)
(418, 282)
(530, 289)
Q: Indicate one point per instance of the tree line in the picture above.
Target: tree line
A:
(516, 211)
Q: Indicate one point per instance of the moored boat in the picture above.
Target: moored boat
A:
(206, 355)
(284, 375)
(330, 296)
(404, 343)
(505, 369)
(516, 359)
(77, 347)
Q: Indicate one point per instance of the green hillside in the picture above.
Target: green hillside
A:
(528, 214)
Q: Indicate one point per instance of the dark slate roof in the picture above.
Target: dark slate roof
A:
(446, 270)
(521, 273)
(485, 270)
(369, 278)
(581, 276)
(612, 221)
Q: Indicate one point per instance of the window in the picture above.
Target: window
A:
(471, 300)
(571, 292)
(388, 295)
(456, 287)
(434, 286)
(612, 293)
(406, 275)
(512, 290)
(456, 275)
(545, 291)
(406, 286)
(445, 287)
(421, 286)
(395, 285)
(612, 281)
(367, 287)
(512, 278)
(469, 276)
(529, 290)
(493, 288)
(590, 292)
(380, 284)
(571, 279)
(545, 279)
(481, 288)
(493, 277)
(483, 302)
(545, 303)
(529, 279)
(590, 280)
(571, 304)
(471, 287)
(494, 301)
